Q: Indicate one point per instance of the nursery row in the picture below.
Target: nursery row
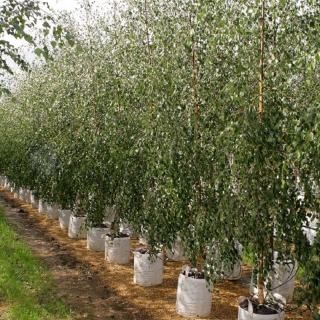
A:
(195, 118)
(194, 297)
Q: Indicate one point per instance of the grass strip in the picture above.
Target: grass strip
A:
(25, 281)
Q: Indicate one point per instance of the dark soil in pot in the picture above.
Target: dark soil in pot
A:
(270, 308)
(194, 273)
(142, 250)
(78, 215)
(101, 225)
(146, 251)
(117, 235)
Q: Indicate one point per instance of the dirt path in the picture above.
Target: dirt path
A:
(78, 281)
(94, 289)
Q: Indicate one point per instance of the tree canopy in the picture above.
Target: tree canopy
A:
(158, 114)
(19, 20)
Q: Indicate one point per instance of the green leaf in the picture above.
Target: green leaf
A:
(38, 52)
(71, 42)
(28, 38)
(79, 48)
(316, 316)
(46, 24)
(6, 91)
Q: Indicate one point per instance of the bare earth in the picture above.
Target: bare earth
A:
(95, 290)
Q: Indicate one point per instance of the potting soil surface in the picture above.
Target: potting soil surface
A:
(94, 289)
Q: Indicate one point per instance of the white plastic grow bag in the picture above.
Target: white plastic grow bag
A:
(21, 194)
(249, 315)
(64, 218)
(311, 231)
(176, 254)
(53, 211)
(27, 196)
(96, 239)
(143, 237)
(220, 263)
(33, 201)
(125, 227)
(117, 250)
(194, 298)
(282, 280)
(235, 273)
(110, 214)
(7, 184)
(143, 240)
(42, 207)
(148, 272)
(76, 227)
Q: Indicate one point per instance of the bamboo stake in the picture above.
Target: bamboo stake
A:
(261, 257)
(117, 68)
(194, 76)
(94, 103)
(118, 98)
(260, 280)
(262, 22)
(199, 262)
(147, 31)
(148, 38)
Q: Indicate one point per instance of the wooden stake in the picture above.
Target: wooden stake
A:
(260, 280)
(261, 257)
(147, 31)
(148, 37)
(117, 72)
(194, 76)
(262, 22)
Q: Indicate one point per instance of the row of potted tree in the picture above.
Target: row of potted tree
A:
(193, 294)
(192, 118)
(194, 297)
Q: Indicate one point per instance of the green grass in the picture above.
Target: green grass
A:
(25, 282)
(248, 256)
